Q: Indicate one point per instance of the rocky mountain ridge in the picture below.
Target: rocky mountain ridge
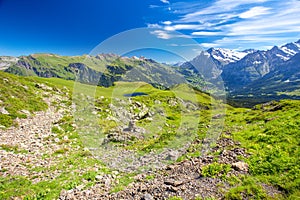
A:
(257, 64)
(247, 72)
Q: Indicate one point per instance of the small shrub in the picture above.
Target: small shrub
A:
(215, 170)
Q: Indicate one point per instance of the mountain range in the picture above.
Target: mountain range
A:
(255, 65)
(103, 69)
(263, 74)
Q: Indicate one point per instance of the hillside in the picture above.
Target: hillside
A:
(51, 147)
(102, 69)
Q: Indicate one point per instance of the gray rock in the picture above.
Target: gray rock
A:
(241, 166)
(26, 112)
(173, 155)
(4, 111)
(157, 101)
(98, 178)
(147, 197)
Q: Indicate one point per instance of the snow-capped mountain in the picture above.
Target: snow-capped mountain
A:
(257, 64)
(284, 78)
(210, 63)
(240, 68)
(287, 51)
(225, 56)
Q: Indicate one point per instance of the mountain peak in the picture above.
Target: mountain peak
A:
(290, 49)
(226, 56)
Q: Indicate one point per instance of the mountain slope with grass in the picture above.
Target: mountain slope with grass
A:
(102, 69)
(48, 148)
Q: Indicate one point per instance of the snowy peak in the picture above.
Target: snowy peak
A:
(286, 51)
(291, 49)
(226, 56)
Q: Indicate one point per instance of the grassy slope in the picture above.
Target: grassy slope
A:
(17, 94)
(272, 138)
(109, 67)
(75, 163)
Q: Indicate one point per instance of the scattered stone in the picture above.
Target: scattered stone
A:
(26, 112)
(147, 197)
(157, 101)
(43, 87)
(98, 178)
(181, 179)
(32, 137)
(173, 183)
(241, 166)
(218, 116)
(4, 111)
(173, 155)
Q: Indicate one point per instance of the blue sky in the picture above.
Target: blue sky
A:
(76, 27)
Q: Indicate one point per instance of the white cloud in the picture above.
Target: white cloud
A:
(167, 22)
(246, 42)
(154, 6)
(161, 34)
(254, 12)
(185, 27)
(209, 45)
(206, 33)
(165, 1)
(245, 23)
(219, 7)
(274, 23)
(154, 26)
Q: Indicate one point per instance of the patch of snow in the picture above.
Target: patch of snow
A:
(282, 57)
(206, 53)
(257, 62)
(227, 55)
(288, 51)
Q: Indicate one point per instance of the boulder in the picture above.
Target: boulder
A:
(241, 166)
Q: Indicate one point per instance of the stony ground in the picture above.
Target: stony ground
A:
(183, 179)
(26, 146)
(34, 138)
